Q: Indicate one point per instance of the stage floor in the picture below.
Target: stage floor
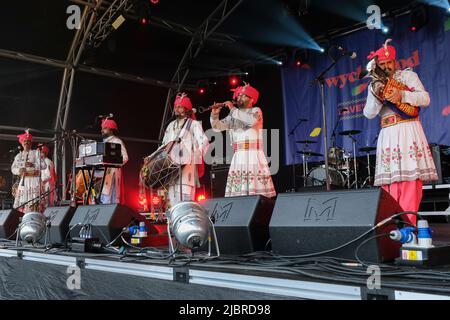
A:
(34, 274)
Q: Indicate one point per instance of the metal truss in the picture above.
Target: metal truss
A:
(104, 26)
(199, 38)
(88, 17)
(169, 25)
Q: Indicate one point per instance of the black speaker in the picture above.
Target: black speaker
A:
(241, 223)
(59, 218)
(218, 176)
(304, 223)
(9, 220)
(107, 220)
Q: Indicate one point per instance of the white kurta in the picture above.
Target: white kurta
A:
(403, 153)
(193, 145)
(113, 188)
(249, 172)
(48, 180)
(29, 184)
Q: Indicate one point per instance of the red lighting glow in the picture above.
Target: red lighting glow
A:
(156, 201)
(201, 198)
(234, 81)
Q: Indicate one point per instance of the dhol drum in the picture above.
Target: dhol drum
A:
(159, 169)
(316, 177)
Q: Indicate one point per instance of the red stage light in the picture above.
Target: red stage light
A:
(413, 29)
(298, 63)
(144, 21)
(201, 198)
(234, 81)
(156, 201)
(201, 91)
(154, 1)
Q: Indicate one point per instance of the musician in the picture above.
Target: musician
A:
(404, 158)
(28, 165)
(113, 189)
(189, 151)
(48, 178)
(249, 172)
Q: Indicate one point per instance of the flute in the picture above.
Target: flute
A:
(218, 105)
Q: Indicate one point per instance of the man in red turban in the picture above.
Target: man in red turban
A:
(191, 144)
(113, 189)
(404, 158)
(249, 172)
(28, 165)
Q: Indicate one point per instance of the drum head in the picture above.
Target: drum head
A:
(159, 171)
(316, 177)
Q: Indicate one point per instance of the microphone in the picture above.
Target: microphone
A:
(345, 52)
(105, 116)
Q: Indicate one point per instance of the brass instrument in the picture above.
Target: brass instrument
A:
(379, 76)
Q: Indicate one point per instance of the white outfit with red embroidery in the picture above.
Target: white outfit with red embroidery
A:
(193, 146)
(403, 153)
(48, 177)
(249, 172)
(29, 184)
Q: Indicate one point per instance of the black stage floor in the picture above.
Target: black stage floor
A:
(30, 273)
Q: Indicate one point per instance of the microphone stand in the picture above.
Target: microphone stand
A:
(321, 81)
(294, 176)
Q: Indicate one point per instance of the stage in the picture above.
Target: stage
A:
(34, 274)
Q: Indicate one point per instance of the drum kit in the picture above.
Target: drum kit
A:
(343, 165)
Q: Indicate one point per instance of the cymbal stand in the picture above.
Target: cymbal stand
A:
(354, 159)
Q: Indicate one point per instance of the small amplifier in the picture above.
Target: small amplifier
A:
(94, 148)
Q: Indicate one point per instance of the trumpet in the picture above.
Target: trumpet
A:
(218, 105)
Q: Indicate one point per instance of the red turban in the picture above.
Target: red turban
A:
(184, 101)
(249, 91)
(109, 124)
(236, 92)
(25, 136)
(385, 53)
(45, 150)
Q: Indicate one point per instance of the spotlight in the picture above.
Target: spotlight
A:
(280, 63)
(154, 1)
(385, 30)
(234, 81)
(322, 50)
(419, 18)
(202, 86)
(32, 227)
(189, 223)
(201, 91)
(201, 197)
(142, 11)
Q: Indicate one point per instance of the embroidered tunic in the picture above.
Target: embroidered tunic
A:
(249, 172)
(48, 180)
(29, 184)
(189, 152)
(403, 153)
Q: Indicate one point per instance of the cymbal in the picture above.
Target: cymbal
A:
(310, 153)
(367, 149)
(349, 132)
(306, 141)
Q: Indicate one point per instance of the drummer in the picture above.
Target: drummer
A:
(189, 152)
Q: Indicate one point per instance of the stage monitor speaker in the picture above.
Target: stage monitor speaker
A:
(59, 218)
(107, 220)
(9, 220)
(305, 223)
(241, 223)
